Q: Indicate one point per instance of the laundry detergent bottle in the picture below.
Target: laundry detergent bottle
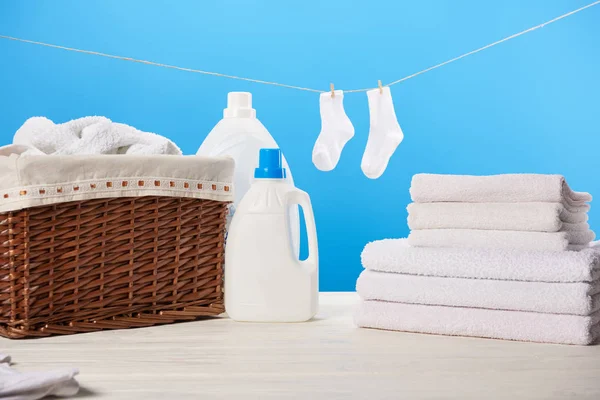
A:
(241, 135)
(264, 279)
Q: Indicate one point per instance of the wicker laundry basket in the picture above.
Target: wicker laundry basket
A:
(118, 243)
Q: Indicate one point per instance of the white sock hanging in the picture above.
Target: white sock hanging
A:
(336, 131)
(385, 133)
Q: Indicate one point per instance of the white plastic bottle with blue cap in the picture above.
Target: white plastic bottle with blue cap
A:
(264, 279)
(241, 135)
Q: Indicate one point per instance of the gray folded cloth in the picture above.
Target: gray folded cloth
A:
(35, 385)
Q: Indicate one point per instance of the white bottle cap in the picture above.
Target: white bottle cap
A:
(239, 105)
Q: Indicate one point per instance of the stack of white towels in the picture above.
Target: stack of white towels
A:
(505, 256)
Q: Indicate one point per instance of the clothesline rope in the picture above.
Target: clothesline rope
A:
(218, 74)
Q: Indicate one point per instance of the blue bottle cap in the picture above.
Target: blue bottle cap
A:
(269, 165)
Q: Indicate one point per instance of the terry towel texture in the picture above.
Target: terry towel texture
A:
(578, 298)
(536, 296)
(518, 211)
(488, 257)
(495, 239)
(534, 216)
(396, 256)
(89, 135)
(509, 188)
(477, 322)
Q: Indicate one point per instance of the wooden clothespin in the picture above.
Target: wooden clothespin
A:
(380, 87)
(332, 91)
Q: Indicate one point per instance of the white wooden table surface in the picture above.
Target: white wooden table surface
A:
(327, 358)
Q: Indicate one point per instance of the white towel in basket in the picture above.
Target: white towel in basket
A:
(89, 135)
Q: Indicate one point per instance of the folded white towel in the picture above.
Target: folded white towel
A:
(35, 385)
(534, 216)
(89, 135)
(461, 321)
(510, 188)
(395, 255)
(577, 298)
(517, 240)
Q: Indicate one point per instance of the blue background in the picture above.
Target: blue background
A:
(529, 105)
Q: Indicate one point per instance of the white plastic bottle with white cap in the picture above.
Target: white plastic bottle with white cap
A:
(241, 135)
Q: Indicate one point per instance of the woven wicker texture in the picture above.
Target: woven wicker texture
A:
(110, 264)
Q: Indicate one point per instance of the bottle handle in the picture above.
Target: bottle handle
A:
(301, 198)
